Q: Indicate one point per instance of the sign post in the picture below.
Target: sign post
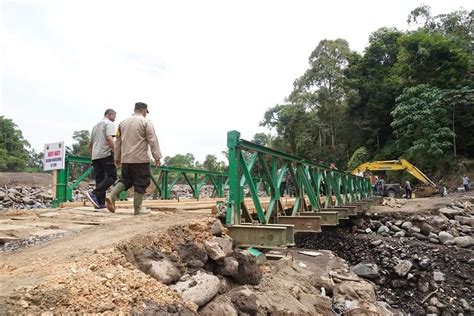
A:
(54, 160)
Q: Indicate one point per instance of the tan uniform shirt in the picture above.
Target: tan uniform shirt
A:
(134, 135)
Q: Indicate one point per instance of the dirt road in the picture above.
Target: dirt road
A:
(29, 266)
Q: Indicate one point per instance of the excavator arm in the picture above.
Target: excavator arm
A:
(394, 165)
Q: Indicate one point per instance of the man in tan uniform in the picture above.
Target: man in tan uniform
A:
(134, 136)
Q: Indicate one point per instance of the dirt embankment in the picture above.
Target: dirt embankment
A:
(25, 179)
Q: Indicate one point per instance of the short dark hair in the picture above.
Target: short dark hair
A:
(108, 111)
(141, 105)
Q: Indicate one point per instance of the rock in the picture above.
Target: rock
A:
(2, 195)
(465, 305)
(426, 228)
(439, 221)
(433, 241)
(464, 241)
(433, 310)
(414, 230)
(403, 267)
(214, 251)
(438, 276)
(225, 243)
(423, 287)
(366, 270)
(444, 237)
(464, 220)
(397, 283)
(395, 228)
(435, 302)
(424, 263)
(368, 230)
(433, 235)
(466, 229)
(375, 225)
(450, 212)
(193, 254)
(225, 284)
(376, 243)
(401, 233)
(383, 230)
(230, 267)
(157, 265)
(244, 300)
(419, 236)
(199, 288)
(109, 306)
(407, 225)
(222, 305)
(249, 272)
(398, 223)
(164, 271)
(217, 229)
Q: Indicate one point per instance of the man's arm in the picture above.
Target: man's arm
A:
(153, 142)
(118, 148)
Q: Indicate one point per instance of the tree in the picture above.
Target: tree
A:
(211, 164)
(13, 147)
(181, 161)
(421, 125)
(431, 58)
(371, 92)
(261, 139)
(35, 161)
(81, 146)
(358, 157)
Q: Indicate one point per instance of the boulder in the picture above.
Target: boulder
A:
(366, 270)
(403, 267)
(419, 236)
(214, 251)
(249, 272)
(444, 237)
(193, 254)
(439, 221)
(465, 220)
(244, 300)
(395, 228)
(401, 233)
(230, 267)
(222, 305)
(438, 276)
(407, 225)
(158, 266)
(464, 241)
(217, 229)
(199, 288)
(450, 212)
(225, 243)
(383, 230)
(426, 228)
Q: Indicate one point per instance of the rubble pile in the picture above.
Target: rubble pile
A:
(25, 197)
(420, 263)
(393, 202)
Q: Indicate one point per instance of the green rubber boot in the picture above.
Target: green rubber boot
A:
(110, 199)
(137, 202)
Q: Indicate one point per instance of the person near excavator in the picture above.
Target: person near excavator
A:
(408, 189)
(465, 183)
(135, 135)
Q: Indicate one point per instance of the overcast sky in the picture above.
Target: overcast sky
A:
(203, 67)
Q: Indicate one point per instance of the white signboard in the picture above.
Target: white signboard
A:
(54, 156)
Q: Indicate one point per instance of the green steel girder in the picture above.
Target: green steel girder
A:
(308, 177)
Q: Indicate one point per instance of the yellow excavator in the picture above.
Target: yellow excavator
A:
(396, 165)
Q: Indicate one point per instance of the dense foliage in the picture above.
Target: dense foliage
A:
(409, 94)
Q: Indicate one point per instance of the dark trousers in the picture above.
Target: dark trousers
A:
(136, 175)
(466, 187)
(408, 193)
(105, 175)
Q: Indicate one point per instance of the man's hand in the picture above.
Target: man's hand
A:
(158, 163)
(117, 163)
